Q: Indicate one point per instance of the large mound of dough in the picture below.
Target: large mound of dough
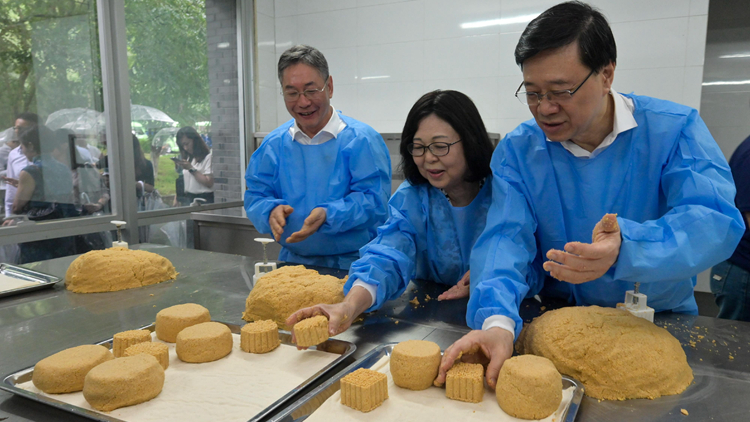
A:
(282, 292)
(123, 382)
(616, 355)
(116, 269)
(529, 387)
(65, 371)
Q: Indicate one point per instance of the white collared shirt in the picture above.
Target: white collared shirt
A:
(331, 130)
(623, 121)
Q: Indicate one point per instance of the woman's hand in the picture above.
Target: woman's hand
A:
(340, 315)
(461, 289)
(494, 345)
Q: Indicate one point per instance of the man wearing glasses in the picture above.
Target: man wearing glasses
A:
(650, 164)
(320, 182)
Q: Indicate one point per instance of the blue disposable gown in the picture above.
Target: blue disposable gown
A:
(424, 238)
(349, 176)
(666, 179)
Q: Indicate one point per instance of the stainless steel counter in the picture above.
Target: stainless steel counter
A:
(37, 324)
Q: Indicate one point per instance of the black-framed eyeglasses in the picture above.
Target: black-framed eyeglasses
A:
(562, 96)
(310, 94)
(438, 149)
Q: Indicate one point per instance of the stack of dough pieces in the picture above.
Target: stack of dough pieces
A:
(116, 269)
(282, 292)
(616, 355)
(65, 371)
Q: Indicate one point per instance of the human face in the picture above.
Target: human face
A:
(21, 124)
(311, 114)
(187, 144)
(587, 117)
(446, 172)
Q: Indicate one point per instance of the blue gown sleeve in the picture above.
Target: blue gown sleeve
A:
(702, 226)
(503, 258)
(260, 195)
(388, 262)
(367, 203)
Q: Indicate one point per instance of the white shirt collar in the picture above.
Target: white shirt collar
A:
(623, 121)
(331, 130)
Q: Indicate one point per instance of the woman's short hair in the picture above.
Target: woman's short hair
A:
(565, 24)
(456, 109)
(200, 149)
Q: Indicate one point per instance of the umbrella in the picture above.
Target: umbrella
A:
(77, 119)
(165, 139)
(141, 113)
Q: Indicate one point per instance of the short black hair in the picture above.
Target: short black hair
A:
(29, 117)
(456, 109)
(565, 24)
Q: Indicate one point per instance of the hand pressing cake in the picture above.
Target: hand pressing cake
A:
(311, 331)
(125, 339)
(65, 371)
(170, 321)
(282, 292)
(364, 389)
(205, 342)
(465, 382)
(114, 269)
(158, 350)
(529, 387)
(259, 337)
(414, 364)
(123, 382)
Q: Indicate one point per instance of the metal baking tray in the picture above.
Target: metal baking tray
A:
(40, 280)
(306, 405)
(339, 347)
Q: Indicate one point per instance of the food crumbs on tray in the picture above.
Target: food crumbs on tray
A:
(543, 308)
(731, 357)
(395, 322)
(151, 294)
(414, 301)
(427, 298)
(684, 412)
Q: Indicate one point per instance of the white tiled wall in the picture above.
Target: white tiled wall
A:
(384, 54)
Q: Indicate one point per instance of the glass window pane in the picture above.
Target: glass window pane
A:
(182, 59)
(51, 104)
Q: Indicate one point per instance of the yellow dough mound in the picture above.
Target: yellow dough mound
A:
(282, 292)
(616, 355)
(123, 382)
(116, 269)
(65, 371)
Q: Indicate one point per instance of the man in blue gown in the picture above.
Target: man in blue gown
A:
(320, 182)
(588, 152)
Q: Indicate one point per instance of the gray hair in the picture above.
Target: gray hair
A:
(310, 56)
